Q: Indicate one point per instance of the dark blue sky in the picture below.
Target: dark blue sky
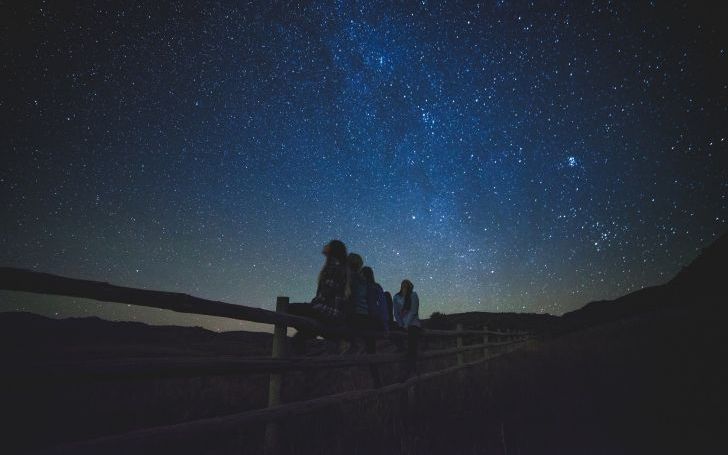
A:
(504, 156)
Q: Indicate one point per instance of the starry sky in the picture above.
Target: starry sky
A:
(503, 155)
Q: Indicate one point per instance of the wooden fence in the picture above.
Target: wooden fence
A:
(493, 343)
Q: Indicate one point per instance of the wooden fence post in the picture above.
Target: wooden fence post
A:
(485, 342)
(272, 429)
(461, 358)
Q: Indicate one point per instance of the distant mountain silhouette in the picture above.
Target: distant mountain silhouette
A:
(28, 335)
(706, 275)
(702, 282)
(530, 322)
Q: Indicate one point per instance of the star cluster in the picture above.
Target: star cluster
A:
(504, 156)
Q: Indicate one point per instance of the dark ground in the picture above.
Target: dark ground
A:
(655, 383)
(645, 373)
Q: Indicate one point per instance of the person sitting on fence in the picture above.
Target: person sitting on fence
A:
(376, 301)
(390, 309)
(357, 311)
(328, 304)
(394, 327)
(406, 313)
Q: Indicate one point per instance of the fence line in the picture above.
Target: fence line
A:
(140, 439)
(13, 279)
(155, 367)
(43, 283)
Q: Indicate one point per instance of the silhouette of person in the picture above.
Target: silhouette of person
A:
(406, 313)
(357, 313)
(376, 301)
(366, 314)
(328, 304)
(393, 325)
(390, 308)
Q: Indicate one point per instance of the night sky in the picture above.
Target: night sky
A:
(504, 156)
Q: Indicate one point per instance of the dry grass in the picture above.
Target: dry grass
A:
(650, 384)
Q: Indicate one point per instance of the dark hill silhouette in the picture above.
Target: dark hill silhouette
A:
(529, 322)
(706, 275)
(29, 332)
(702, 282)
(31, 338)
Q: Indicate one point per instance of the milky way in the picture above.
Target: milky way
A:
(504, 156)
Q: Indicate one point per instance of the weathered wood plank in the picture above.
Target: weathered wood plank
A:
(45, 283)
(13, 279)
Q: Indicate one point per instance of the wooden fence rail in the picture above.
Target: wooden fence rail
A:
(155, 367)
(276, 365)
(13, 279)
(139, 441)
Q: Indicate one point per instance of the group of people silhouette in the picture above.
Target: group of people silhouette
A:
(347, 295)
